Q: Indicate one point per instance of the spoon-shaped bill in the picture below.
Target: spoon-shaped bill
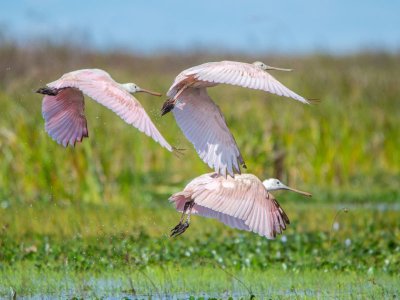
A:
(297, 191)
(279, 69)
(149, 92)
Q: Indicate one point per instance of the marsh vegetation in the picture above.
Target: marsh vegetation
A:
(94, 220)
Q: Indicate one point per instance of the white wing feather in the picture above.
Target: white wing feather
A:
(241, 202)
(203, 124)
(234, 73)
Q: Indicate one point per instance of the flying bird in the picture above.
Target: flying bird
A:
(63, 105)
(242, 202)
(201, 120)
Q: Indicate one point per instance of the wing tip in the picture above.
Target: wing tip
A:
(47, 91)
(168, 105)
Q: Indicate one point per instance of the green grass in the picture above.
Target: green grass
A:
(345, 145)
(97, 249)
(93, 220)
(182, 282)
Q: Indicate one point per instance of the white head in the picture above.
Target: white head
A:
(273, 184)
(261, 65)
(265, 67)
(133, 88)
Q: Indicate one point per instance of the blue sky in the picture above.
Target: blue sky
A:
(252, 26)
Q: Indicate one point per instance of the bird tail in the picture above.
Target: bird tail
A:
(48, 91)
(179, 200)
(168, 105)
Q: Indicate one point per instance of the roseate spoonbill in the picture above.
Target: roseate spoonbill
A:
(63, 105)
(201, 120)
(241, 202)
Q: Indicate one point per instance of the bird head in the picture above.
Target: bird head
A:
(260, 64)
(273, 184)
(134, 88)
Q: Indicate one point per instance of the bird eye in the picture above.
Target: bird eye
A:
(277, 182)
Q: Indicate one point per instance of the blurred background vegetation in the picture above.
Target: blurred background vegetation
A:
(346, 146)
(103, 205)
(93, 221)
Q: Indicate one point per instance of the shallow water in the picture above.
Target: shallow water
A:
(171, 296)
(114, 289)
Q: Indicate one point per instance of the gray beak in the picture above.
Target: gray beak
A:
(279, 69)
(297, 191)
(149, 92)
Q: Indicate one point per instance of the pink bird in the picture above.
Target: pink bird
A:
(63, 105)
(242, 202)
(201, 120)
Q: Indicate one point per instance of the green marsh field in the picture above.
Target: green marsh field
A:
(93, 221)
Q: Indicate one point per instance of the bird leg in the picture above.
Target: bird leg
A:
(181, 90)
(185, 208)
(182, 226)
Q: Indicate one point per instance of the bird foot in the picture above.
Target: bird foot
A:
(178, 152)
(179, 229)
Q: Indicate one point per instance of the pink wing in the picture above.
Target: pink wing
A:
(204, 126)
(64, 116)
(234, 73)
(209, 213)
(98, 85)
(241, 202)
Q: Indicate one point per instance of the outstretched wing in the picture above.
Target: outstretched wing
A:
(203, 124)
(64, 116)
(234, 73)
(241, 202)
(180, 200)
(101, 87)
